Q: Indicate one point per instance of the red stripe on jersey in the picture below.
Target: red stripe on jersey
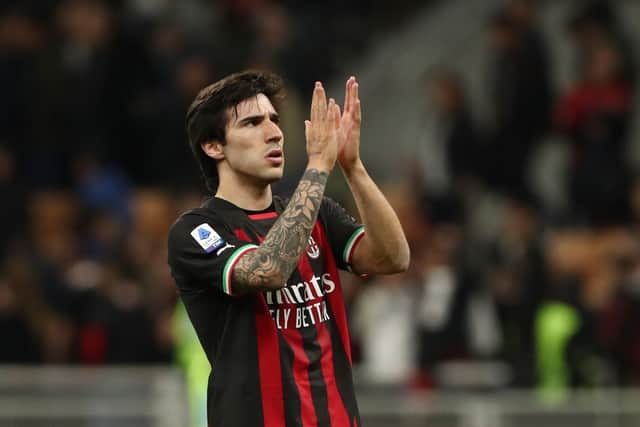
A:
(269, 365)
(337, 411)
(301, 376)
(242, 235)
(300, 368)
(336, 300)
(268, 359)
(266, 215)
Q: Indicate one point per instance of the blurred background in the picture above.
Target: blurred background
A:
(504, 132)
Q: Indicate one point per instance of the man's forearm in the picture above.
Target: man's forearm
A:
(384, 245)
(269, 266)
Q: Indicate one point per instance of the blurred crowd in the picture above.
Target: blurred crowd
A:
(94, 163)
(506, 289)
(94, 167)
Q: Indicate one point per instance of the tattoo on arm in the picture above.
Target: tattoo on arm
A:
(280, 251)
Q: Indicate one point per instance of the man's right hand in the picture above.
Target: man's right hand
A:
(321, 131)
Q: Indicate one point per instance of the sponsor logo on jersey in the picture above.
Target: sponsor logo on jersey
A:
(302, 292)
(207, 237)
(301, 305)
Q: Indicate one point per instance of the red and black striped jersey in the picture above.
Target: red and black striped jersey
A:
(279, 358)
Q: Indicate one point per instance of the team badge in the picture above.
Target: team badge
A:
(207, 237)
(313, 250)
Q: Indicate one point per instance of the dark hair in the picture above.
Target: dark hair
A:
(207, 116)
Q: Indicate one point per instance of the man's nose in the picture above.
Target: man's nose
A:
(274, 133)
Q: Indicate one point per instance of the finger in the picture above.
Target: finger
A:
(314, 102)
(353, 94)
(357, 106)
(336, 112)
(330, 109)
(307, 123)
(330, 120)
(347, 90)
(357, 112)
(321, 103)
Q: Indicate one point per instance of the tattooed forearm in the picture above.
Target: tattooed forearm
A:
(270, 265)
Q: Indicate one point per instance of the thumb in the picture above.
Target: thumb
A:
(307, 123)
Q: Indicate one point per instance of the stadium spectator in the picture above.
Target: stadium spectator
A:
(520, 87)
(442, 294)
(594, 23)
(515, 277)
(13, 214)
(594, 114)
(448, 160)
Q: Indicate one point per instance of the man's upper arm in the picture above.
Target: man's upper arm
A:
(203, 253)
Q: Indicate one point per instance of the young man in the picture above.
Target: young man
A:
(258, 275)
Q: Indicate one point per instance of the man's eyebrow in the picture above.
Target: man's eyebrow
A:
(247, 119)
(250, 118)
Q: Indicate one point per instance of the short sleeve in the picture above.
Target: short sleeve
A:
(203, 252)
(343, 231)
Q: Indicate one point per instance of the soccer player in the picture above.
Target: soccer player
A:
(258, 274)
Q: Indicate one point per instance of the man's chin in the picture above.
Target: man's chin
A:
(275, 177)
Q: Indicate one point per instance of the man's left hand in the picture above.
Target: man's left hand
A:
(349, 129)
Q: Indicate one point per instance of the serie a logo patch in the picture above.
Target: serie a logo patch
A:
(207, 237)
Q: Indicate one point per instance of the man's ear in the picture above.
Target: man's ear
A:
(213, 149)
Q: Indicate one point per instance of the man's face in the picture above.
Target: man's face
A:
(253, 149)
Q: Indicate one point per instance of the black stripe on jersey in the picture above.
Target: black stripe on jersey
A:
(342, 369)
(292, 414)
(253, 368)
(316, 376)
(237, 379)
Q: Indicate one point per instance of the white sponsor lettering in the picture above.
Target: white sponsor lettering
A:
(311, 315)
(281, 317)
(302, 292)
(312, 294)
(329, 285)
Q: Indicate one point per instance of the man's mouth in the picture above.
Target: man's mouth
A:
(275, 155)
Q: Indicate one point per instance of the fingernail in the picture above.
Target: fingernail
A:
(318, 84)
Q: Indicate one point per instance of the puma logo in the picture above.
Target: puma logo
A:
(225, 247)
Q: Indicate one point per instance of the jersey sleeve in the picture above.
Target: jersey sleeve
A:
(203, 252)
(343, 231)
